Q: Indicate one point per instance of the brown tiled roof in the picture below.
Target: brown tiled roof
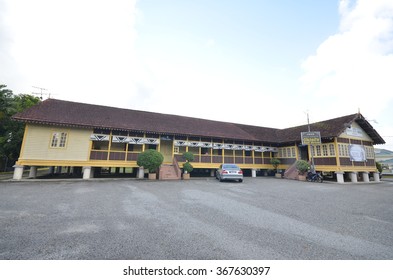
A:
(66, 113)
(331, 128)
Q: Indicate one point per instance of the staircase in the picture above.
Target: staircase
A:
(170, 171)
(291, 172)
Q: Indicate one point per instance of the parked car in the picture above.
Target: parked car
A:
(229, 172)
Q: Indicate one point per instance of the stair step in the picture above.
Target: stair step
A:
(168, 172)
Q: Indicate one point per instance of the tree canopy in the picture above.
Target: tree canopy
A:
(150, 159)
(11, 132)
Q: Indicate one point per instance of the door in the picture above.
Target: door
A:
(166, 147)
(303, 151)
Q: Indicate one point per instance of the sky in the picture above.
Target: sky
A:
(257, 62)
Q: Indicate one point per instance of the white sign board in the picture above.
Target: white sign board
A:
(311, 138)
(354, 131)
(357, 153)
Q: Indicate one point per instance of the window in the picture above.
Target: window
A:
(346, 150)
(176, 150)
(324, 151)
(313, 151)
(331, 150)
(369, 152)
(318, 150)
(59, 140)
(205, 151)
(343, 150)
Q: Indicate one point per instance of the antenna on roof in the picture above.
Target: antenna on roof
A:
(41, 93)
(308, 120)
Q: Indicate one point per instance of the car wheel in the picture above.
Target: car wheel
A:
(241, 180)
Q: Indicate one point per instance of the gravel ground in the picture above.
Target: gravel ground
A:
(261, 218)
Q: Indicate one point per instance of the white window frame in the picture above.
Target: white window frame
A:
(59, 140)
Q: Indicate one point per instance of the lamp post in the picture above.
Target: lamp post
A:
(311, 146)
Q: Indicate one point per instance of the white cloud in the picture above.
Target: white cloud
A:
(78, 50)
(210, 43)
(352, 69)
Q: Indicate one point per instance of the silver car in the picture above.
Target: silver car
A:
(229, 172)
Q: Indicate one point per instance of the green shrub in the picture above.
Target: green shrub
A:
(151, 160)
(302, 166)
(188, 156)
(275, 162)
(378, 166)
(187, 167)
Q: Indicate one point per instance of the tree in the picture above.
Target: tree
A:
(302, 166)
(188, 156)
(275, 162)
(11, 132)
(187, 166)
(150, 159)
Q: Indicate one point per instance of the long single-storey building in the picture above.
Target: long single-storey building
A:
(88, 139)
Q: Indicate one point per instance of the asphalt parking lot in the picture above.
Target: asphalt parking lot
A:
(261, 218)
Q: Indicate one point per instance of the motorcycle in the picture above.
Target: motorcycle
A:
(314, 177)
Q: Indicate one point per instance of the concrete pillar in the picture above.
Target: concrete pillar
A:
(87, 172)
(18, 172)
(51, 170)
(376, 177)
(33, 172)
(141, 173)
(354, 177)
(58, 169)
(212, 172)
(340, 177)
(366, 178)
(253, 173)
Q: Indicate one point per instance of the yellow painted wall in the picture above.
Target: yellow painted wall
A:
(353, 133)
(37, 139)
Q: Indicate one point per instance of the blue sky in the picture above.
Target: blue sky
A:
(256, 62)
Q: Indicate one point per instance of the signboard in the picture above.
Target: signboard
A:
(353, 131)
(357, 153)
(311, 138)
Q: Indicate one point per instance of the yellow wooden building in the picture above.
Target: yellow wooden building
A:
(89, 140)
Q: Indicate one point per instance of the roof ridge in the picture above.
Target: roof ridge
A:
(71, 113)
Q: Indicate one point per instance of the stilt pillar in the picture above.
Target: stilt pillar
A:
(253, 173)
(212, 173)
(354, 177)
(33, 172)
(340, 177)
(376, 177)
(18, 172)
(51, 170)
(87, 172)
(141, 173)
(366, 177)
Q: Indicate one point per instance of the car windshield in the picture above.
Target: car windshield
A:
(230, 166)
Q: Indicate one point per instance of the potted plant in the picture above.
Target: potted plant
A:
(276, 162)
(151, 160)
(187, 166)
(302, 167)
